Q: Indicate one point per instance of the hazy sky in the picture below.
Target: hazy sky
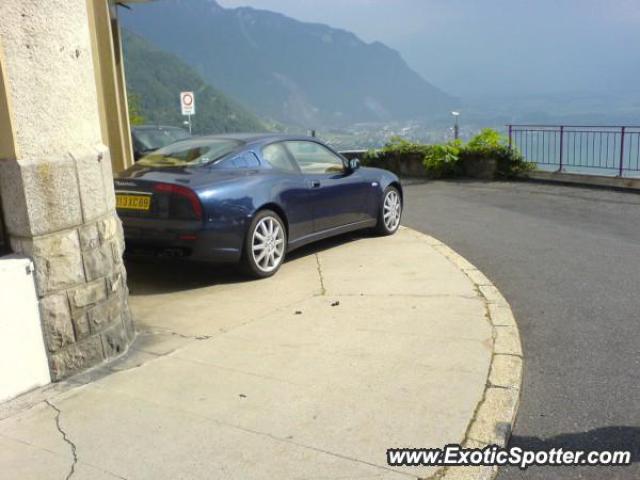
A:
(470, 47)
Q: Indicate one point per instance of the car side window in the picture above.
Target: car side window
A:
(315, 158)
(245, 160)
(277, 156)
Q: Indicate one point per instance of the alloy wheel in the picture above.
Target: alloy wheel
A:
(392, 210)
(267, 244)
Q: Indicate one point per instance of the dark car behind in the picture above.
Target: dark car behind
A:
(147, 138)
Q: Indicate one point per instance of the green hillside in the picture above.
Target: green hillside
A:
(155, 79)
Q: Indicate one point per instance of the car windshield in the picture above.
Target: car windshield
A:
(189, 153)
(153, 139)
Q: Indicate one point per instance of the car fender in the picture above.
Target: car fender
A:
(380, 179)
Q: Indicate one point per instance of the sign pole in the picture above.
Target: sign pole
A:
(189, 116)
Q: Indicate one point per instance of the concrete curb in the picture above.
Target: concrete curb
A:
(496, 413)
(580, 180)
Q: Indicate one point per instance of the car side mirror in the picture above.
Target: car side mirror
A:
(354, 164)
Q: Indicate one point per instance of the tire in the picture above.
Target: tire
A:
(390, 212)
(265, 246)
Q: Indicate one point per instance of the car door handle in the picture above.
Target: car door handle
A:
(315, 184)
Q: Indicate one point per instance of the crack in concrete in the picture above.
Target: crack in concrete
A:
(310, 447)
(156, 331)
(410, 295)
(175, 334)
(236, 370)
(493, 385)
(54, 452)
(72, 445)
(323, 290)
(509, 355)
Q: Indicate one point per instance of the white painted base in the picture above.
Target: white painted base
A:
(23, 360)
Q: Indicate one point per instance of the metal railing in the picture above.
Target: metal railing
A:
(580, 149)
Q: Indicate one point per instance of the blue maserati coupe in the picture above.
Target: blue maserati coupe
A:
(250, 198)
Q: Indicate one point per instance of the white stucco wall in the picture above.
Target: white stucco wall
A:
(23, 361)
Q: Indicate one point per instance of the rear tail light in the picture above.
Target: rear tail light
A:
(179, 196)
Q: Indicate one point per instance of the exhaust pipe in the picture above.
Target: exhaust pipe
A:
(172, 252)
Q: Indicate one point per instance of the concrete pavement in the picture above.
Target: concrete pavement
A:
(357, 345)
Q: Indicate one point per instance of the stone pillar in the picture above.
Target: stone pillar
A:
(56, 182)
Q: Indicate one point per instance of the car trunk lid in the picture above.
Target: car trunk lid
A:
(165, 194)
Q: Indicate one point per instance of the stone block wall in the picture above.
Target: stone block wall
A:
(82, 290)
(77, 251)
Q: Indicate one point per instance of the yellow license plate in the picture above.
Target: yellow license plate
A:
(133, 202)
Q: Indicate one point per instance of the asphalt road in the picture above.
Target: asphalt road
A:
(568, 261)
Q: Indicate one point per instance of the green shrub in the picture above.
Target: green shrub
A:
(443, 161)
(396, 151)
(488, 145)
(373, 158)
(447, 160)
(400, 147)
(488, 138)
(510, 162)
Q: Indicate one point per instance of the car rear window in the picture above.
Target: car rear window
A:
(190, 153)
(152, 139)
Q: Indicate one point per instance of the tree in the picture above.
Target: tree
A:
(135, 114)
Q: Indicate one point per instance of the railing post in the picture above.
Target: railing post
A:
(621, 169)
(561, 147)
(510, 137)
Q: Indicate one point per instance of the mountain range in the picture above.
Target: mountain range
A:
(154, 80)
(293, 72)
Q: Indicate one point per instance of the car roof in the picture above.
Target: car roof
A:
(253, 138)
(156, 127)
